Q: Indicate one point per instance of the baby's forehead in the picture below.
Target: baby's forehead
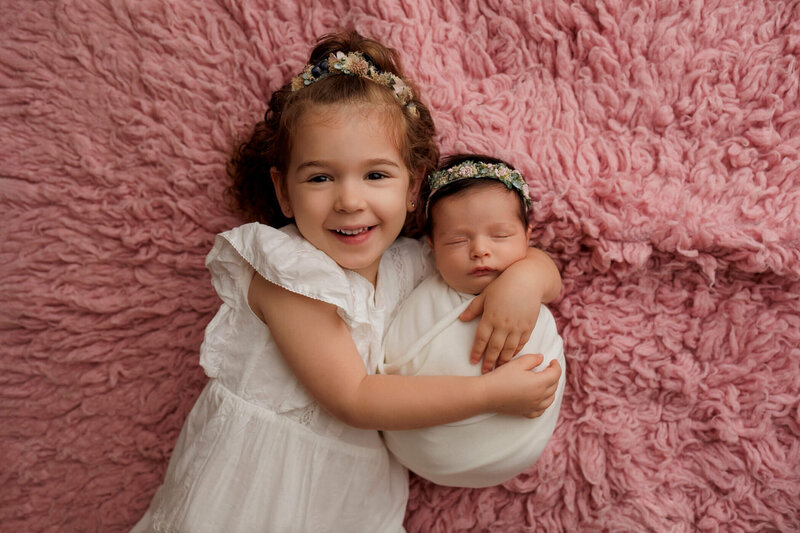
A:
(482, 188)
(477, 221)
(469, 219)
(483, 191)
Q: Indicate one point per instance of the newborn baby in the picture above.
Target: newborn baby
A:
(477, 227)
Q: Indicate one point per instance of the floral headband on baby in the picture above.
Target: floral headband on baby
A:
(355, 64)
(501, 172)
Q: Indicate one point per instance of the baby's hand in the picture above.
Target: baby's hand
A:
(514, 390)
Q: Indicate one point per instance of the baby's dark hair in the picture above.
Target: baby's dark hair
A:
(252, 193)
(457, 187)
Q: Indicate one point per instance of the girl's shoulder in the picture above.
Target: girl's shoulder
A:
(260, 244)
(282, 256)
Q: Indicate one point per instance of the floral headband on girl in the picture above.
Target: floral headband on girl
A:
(355, 64)
(501, 172)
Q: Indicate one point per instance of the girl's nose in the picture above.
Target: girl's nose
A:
(349, 197)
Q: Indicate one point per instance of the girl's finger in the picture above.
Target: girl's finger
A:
(509, 349)
(523, 340)
(493, 349)
(473, 310)
(529, 361)
(482, 335)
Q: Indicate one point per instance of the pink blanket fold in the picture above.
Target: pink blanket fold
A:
(660, 141)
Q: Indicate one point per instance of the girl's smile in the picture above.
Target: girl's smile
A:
(346, 185)
(354, 236)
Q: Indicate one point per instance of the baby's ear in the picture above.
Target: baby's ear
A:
(528, 232)
(280, 192)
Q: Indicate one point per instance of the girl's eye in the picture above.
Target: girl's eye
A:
(376, 176)
(318, 179)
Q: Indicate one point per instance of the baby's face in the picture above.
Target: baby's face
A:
(476, 235)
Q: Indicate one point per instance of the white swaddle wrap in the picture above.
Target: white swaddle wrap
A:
(427, 338)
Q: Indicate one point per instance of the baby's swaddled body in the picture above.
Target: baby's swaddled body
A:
(427, 338)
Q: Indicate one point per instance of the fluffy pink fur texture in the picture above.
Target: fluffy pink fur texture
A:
(660, 139)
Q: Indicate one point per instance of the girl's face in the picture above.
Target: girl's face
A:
(476, 235)
(346, 184)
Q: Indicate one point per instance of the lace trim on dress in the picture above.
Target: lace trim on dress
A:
(400, 273)
(306, 416)
(408, 270)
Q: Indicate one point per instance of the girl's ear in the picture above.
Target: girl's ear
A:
(280, 192)
(413, 190)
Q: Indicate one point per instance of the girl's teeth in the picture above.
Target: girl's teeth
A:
(351, 231)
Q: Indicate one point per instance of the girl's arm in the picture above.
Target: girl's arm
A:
(509, 308)
(318, 347)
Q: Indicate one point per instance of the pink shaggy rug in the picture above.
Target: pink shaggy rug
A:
(661, 139)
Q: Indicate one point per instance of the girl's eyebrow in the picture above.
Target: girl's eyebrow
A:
(381, 161)
(325, 164)
(308, 164)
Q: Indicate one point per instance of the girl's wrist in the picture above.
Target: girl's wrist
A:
(489, 399)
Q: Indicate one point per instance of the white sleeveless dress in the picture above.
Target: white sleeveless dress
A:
(257, 453)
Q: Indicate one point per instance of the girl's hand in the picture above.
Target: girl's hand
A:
(509, 308)
(505, 326)
(514, 390)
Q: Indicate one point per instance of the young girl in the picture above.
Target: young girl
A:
(477, 227)
(283, 437)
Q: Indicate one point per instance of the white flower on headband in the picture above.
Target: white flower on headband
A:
(501, 170)
(355, 64)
